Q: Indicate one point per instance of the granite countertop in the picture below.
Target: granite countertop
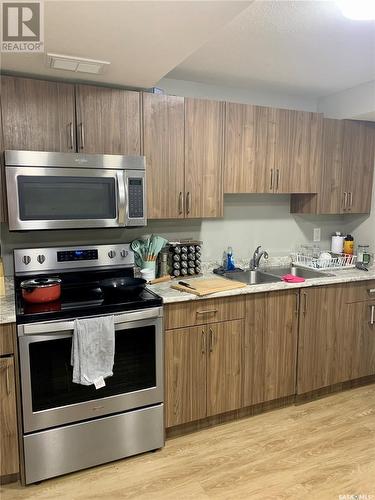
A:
(170, 295)
(7, 310)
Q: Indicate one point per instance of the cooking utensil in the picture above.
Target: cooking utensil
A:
(122, 286)
(41, 290)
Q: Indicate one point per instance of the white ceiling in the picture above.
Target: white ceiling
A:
(300, 47)
(289, 47)
(143, 40)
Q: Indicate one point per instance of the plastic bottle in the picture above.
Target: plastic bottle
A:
(349, 244)
(230, 260)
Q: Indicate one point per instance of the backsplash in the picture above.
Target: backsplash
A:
(249, 220)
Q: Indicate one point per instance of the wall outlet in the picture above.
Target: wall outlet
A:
(316, 235)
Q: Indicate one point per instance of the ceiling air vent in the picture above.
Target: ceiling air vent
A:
(76, 64)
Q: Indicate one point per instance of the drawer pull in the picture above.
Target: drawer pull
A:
(208, 311)
(372, 320)
(371, 290)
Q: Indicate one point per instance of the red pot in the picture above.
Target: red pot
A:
(39, 290)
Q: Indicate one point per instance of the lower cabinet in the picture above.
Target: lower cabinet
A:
(202, 371)
(8, 419)
(270, 347)
(9, 465)
(336, 335)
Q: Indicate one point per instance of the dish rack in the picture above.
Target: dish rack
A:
(337, 261)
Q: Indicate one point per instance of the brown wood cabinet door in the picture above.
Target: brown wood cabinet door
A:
(360, 332)
(249, 148)
(270, 346)
(224, 366)
(108, 120)
(323, 340)
(185, 375)
(298, 149)
(358, 165)
(332, 198)
(203, 158)
(163, 146)
(37, 115)
(8, 419)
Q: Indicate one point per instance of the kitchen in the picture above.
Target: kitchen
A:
(168, 148)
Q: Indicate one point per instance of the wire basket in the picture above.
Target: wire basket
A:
(337, 261)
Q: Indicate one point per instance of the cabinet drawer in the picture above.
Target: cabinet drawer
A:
(358, 292)
(6, 338)
(199, 312)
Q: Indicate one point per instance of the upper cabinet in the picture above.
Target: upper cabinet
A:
(203, 158)
(348, 154)
(249, 148)
(358, 165)
(37, 115)
(163, 147)
(271, 150)
(108, 120)
(297, 167)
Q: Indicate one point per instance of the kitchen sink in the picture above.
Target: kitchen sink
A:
(273, 274)
(252, 277)
(296, 271)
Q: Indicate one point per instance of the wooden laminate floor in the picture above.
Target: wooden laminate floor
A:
(319, 450)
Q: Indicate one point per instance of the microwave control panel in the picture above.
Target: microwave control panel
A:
(135, 193)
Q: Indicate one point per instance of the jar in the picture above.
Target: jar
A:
(364, 255)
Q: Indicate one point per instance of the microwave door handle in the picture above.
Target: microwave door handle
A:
(121, 198)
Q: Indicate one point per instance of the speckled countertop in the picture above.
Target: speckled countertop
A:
(169, 295)
(342, 276)
(7, 311)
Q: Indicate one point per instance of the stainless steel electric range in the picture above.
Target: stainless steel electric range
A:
(68, 426)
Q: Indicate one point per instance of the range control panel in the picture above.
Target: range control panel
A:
(69, 255)
(32, 260)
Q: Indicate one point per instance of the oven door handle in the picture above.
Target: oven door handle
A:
(66, 326)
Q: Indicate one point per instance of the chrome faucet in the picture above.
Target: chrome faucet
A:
(254, 262)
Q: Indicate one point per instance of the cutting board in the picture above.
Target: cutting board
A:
(208, 286)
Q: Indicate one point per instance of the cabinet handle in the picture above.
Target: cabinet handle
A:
(271, 185)
(345, 199)
(180, 204)
(203, 342)
(71, 135)
(277, 178)
(350, 200)
(305, 303)
(82, 136)
(207, 311)
(371, 290)
(297, 303)
(188, 202)
(211, 340)
(372, 319)
(7, 380)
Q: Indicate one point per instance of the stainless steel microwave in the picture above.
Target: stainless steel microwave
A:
(73, 190)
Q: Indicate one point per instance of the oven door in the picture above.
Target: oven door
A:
(50, 398)
(60, 198)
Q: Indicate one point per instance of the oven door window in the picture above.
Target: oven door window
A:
(66, 198)
(51, 372)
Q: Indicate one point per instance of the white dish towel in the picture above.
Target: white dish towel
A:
(93, 350)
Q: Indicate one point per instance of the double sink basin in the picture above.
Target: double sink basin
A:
(273, 274)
